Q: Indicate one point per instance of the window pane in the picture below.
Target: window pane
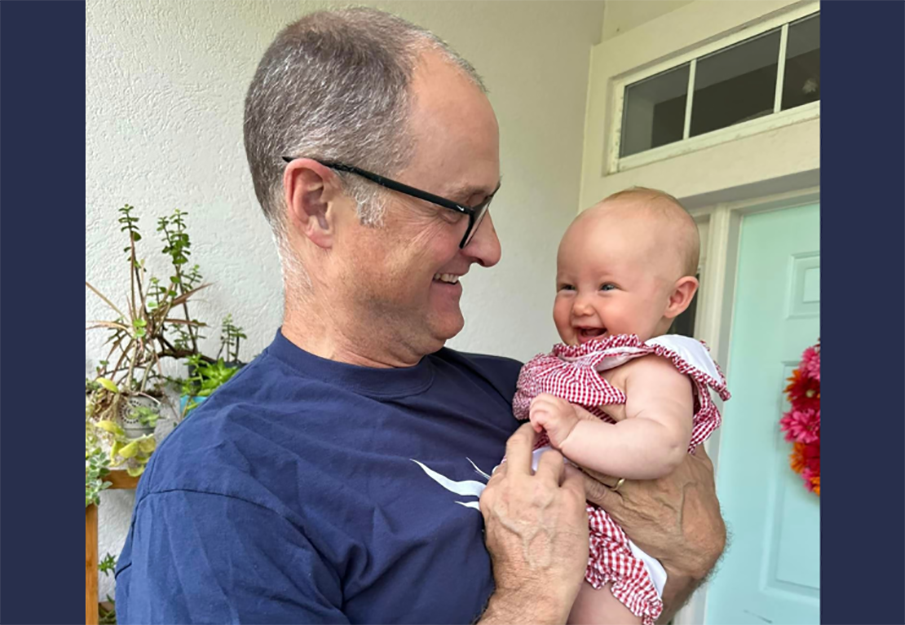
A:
(654, 111)
(801, 83)
(736, 84)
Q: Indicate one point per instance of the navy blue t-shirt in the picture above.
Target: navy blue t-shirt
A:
(312, 491)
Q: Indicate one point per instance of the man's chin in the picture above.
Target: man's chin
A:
(446, 327)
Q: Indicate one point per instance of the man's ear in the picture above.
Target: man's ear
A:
(681, 296)
(310, 191)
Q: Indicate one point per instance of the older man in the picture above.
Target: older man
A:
(336, 478)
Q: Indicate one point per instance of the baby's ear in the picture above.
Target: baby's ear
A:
(681, 296)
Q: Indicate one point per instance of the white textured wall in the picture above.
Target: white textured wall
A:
(165, 87)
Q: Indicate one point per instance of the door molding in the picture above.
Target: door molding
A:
(713, 322)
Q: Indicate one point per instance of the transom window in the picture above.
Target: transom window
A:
(764, 77)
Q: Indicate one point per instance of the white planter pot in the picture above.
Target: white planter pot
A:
(132, 427)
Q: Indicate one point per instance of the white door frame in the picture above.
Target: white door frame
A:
(713, 320)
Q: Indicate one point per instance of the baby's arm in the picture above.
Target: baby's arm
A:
(649, 443)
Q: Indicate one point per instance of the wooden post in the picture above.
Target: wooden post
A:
(91, 615)
(119, 480)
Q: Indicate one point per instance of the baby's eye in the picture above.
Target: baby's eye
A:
(607, 287)
(565, 287)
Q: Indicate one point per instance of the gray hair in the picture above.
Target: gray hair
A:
(334, 86)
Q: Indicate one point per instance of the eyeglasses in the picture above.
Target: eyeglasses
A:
(475, 213)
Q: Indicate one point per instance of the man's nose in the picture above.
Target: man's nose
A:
(484, 247)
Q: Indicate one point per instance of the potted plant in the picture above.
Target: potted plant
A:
(129, 452)
(205, 376)
(125, 399)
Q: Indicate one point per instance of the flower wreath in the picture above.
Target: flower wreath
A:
(802, 422)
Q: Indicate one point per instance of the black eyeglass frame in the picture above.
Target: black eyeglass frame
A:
(475, 213)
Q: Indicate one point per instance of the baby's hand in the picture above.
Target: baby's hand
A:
(554, 415)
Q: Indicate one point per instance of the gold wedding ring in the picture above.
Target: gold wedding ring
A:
(618, 484)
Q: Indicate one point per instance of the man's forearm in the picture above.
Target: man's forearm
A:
(505, 610)
(680, 585)
(675, 519)
(678, 590)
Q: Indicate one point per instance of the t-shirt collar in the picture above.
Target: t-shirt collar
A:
(371, 381)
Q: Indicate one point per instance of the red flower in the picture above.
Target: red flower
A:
(803, 391)
(811, 455)
(805, 457)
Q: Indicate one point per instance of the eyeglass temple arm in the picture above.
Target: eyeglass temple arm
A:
(395, 186)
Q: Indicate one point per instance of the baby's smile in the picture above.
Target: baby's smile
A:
(588, 334)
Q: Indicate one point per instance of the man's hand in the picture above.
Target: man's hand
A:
(676, 519)
(554, 415)
(536, 530)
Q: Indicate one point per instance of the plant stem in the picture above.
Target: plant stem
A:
(185, 306)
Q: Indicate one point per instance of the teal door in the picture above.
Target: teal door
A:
(771, 570)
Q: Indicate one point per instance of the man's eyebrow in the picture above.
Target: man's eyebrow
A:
(465, 191)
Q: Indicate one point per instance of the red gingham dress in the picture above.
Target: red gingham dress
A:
(572, 373)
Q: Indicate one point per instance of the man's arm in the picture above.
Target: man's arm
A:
(675, 519)
(536, 530)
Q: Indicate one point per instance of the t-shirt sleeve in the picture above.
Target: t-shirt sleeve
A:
(207, 558)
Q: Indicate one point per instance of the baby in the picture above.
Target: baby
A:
(620, 396)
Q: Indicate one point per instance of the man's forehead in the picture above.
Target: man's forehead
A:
(455, 132)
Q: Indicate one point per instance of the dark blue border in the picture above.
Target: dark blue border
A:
(863, 300)
(42, 259)
(42, 121)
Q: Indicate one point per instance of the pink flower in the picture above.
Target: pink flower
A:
(808, 476)
(810, 362)
(802, 422)
(802, 426)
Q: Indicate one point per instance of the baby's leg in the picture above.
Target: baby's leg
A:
(595, 606)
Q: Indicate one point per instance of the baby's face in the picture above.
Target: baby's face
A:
(613, 277)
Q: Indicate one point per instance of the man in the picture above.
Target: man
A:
(336, 478)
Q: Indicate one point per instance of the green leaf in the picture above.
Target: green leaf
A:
(129, 450)
(108, 384)
(110, 426)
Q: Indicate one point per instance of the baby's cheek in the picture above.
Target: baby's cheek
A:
(560, 309)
